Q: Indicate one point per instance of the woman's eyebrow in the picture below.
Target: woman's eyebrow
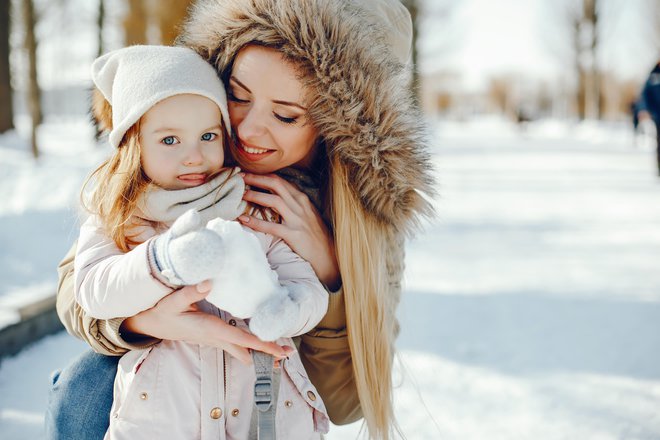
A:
(287, 103)
(233, 78)
(290, 104)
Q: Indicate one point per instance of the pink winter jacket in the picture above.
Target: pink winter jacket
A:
(178, 390)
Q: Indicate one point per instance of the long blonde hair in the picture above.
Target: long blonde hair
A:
(362, 248)
(117, 185)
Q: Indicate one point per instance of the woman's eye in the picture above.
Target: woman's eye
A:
(170, 140)
(209, 136)
(233, 98)
(285, 119)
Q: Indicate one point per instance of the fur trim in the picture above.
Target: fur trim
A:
(363, 107)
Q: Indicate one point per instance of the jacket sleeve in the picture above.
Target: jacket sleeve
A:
(102, 335)
(294, 272)
(326, 354)
(108, 282)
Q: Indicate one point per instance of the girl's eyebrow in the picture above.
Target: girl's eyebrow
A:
(287, 103)
(169, 129)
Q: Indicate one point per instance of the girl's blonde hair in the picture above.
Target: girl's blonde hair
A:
(117, 185)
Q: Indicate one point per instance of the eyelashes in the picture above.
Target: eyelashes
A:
(231, 97)
(285, 120)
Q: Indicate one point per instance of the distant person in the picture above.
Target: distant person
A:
(634, 114)
(649, 106)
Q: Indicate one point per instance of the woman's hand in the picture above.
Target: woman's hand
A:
(302, 227)
(177, 317)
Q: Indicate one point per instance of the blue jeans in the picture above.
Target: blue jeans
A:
(81, 397)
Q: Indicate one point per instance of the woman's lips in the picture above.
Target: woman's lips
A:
(253, 153)
(194, 179)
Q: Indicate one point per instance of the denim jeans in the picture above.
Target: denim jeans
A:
(81, 397)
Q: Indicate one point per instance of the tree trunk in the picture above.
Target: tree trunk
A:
(99, 22)
(135, 23)
(413, 8)
(171, 14)
(592, 86)
(6, 107)
(34, 98)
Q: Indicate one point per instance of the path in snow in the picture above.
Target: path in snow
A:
(532, 306)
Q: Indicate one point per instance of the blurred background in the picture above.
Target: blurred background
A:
(531, 307)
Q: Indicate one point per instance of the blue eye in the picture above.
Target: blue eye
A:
(170, 140)
(209, 136)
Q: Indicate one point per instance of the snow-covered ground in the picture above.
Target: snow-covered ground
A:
(531, 308)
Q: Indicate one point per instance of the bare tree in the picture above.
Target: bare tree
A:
(576, 32)
(6, 106)
(413, 8)
(170, 15)
(591, 82)
(428, 16)
(135, 23)
(34, 94)
(99, 22)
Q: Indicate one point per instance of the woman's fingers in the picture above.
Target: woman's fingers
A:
(276, 229)
(236, 340)
(274, 184)
(270, 201)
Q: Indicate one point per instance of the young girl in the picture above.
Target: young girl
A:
(169, 119)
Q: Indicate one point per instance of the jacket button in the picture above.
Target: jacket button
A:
(144, 396)
(234, 412)
(311, 395)
(232, 322)
(216, 413)
(288, 403)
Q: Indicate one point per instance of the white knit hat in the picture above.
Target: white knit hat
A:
(135, 78)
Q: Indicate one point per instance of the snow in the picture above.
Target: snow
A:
(531, 306)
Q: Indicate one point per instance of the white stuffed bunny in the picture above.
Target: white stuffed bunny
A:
(232, 258)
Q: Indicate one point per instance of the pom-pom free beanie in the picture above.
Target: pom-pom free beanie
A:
(135, 78)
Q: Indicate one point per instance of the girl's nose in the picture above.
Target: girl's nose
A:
(194, 156)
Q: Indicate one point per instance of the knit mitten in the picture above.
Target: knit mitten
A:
(279, 315)
(188, 253)
(246, 279)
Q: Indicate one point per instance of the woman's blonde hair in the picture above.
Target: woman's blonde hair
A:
(117, 185)
(362, 250)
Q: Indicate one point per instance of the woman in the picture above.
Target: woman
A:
(360, 175)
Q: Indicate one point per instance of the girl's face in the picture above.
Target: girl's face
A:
(181, 140)
(268, 113)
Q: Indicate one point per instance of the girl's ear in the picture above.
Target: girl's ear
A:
(101, 111)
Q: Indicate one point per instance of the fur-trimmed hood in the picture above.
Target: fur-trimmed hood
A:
(362, 108)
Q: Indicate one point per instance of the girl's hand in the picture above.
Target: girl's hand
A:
(302, 227)
(177, 317)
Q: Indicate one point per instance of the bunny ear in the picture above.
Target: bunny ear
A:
(101, 111)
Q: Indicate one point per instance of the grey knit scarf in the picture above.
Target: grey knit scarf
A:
(220, 197)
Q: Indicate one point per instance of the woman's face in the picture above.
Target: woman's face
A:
(267, 108)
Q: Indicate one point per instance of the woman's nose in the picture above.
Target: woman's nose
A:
(252, 125)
